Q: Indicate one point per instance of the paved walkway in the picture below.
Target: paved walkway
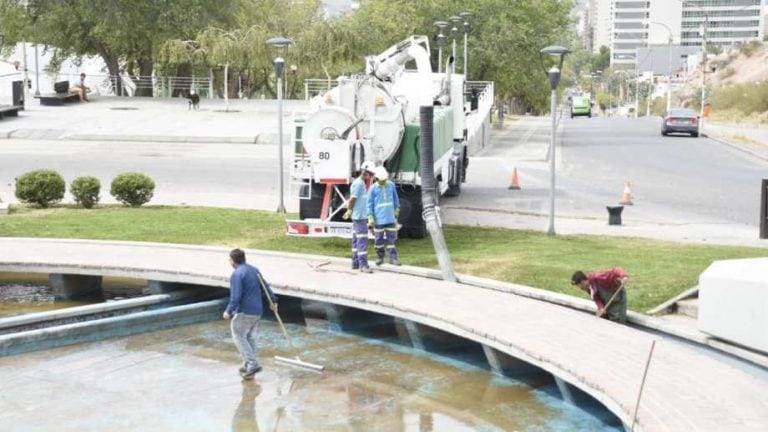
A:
(686, 389)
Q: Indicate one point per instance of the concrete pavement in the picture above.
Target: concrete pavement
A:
(686, 389)
(748, 138)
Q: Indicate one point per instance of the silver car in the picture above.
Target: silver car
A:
(681, 120)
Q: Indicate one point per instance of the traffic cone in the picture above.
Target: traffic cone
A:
(515, 182)
(626, 198)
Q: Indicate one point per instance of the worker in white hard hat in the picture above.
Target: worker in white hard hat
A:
(383, 211)
(357, 211)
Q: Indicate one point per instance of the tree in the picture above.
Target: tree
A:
(124, 33)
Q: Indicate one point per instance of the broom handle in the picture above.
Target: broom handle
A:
(613, 297)
(274, 309)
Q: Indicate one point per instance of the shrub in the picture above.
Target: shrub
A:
(133, 189)
(86, 191)
(749, 48)
(42, 187)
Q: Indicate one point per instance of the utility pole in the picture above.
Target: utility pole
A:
(703, 68)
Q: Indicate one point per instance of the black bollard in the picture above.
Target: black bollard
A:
(614, 215)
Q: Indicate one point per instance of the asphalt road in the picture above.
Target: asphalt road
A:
(674, 179)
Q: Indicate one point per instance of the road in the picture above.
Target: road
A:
(674, 180)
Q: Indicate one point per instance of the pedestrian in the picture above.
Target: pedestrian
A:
(79, 88)
(383, 211)
(357, 210)
(602, 286)
(245, 309)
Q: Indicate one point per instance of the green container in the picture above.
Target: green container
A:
(407, 158)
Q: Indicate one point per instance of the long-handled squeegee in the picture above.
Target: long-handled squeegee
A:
(296, 361)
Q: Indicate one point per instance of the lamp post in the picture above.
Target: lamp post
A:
(554, 79)
(466, 16)
(669, 64)
(280, 42)
(440, 43)
(454, 32)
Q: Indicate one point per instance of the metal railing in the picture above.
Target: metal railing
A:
(124, 85)
(313, 87)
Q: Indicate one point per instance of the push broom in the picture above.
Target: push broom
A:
(295, 361)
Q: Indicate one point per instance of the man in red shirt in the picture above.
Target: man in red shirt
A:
(602, 286)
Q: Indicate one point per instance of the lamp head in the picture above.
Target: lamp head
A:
(441, 25)
(554, 73)
(279, 42)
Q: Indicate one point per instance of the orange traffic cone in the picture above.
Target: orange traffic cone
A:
(626, 198)
(515, 182)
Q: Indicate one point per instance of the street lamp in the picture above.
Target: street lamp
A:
(669, 64)
(440, 43)
(454, 32)
(466, 16)
(554, 79)
(280, 42)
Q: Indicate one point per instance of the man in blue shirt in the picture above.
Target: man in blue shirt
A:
(245, 309)
(356, 209)
(383, 211)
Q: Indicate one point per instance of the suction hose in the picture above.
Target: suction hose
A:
(429, 194)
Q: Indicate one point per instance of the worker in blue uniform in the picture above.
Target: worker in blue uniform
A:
(383, 211)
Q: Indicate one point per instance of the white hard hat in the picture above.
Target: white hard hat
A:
(368, 166)
(381, 173)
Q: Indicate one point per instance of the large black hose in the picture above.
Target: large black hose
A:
(429, 193)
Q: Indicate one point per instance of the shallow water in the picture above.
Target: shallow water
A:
(22, 293)
(185, 379)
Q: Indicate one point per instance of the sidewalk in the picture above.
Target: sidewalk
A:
(748, 138)
(152, 120)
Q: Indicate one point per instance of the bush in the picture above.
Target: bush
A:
(86, 191)
(41, 187)
(133, 189)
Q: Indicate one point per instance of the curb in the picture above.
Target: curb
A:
(735, 146)
(165, 139)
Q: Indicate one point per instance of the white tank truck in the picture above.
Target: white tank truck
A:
(375, 116)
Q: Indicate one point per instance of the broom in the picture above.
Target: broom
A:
(296, 361)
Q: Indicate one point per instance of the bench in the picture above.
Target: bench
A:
(54, 99)
(60, 97)
(10, 111)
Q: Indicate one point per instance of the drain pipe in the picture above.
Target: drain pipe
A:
(429, 194)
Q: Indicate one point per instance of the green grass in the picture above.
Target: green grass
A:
(658, 270)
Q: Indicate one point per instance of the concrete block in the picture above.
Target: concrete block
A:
(4, 207)
(733, 302)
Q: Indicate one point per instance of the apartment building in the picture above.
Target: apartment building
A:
(601, 23)
(626, 25)
(728, 22)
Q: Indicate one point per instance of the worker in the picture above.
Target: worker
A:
(357, 210)
(245, 308)
(606, 288)
(383, 211)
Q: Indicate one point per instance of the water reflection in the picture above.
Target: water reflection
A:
(22, 293)
(244, 419)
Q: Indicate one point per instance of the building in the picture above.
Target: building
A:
(727, 22)
(638, 24)
(601, 23)
(626, 25)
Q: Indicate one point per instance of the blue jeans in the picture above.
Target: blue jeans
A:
(244, 328)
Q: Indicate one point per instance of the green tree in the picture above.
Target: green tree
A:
(124, 33)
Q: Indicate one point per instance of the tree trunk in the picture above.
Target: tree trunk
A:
(143, 82)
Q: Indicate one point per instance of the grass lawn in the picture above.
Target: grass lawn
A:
(658, 270)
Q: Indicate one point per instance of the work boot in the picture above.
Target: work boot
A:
(394, 262)
(355, 266)
(242, 369)
(379, 260)
(365, 269)
(248, 375)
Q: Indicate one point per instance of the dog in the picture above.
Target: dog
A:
(194, 101)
